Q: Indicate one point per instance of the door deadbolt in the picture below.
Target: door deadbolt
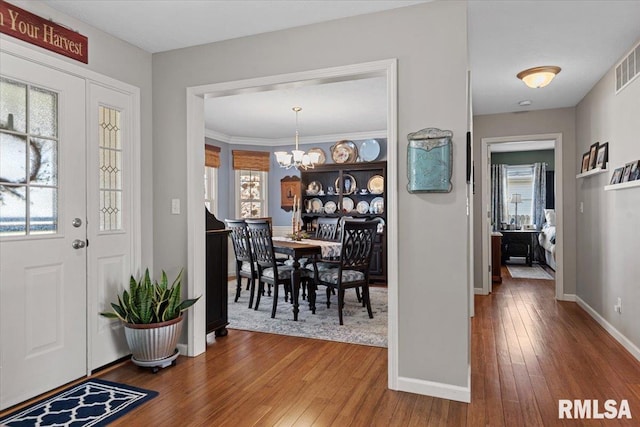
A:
(77, 222)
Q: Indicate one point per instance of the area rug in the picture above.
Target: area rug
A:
(324, 325)
(91, 403)
(526, 272)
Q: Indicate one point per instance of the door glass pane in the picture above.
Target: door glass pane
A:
(44, 162)
(110, 169)
(28, 166)
(13, 105)
(13, 210)
(13, 158)
(110, 210)
(43, 112)
(43, 206)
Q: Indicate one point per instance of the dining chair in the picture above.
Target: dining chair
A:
(353, 266)
(327, 228)
(269, 271)
(245, 265)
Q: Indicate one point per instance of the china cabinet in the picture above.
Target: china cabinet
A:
(351, 190)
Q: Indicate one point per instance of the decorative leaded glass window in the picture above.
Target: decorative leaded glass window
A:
(110, 169)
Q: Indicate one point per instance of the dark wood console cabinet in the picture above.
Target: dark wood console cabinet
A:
(216, 285)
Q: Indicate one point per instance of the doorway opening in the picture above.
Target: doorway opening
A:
(195, 160)
(517, 226)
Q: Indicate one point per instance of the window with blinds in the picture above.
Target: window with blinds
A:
(520, 181)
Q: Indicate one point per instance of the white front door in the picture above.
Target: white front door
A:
(43, 314)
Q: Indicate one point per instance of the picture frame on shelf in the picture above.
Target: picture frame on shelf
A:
(585, 162)
(627, 172)
(617, 175)
(593, 155)
(634, 175)
(602, 156)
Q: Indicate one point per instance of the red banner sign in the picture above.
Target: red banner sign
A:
(33, 29)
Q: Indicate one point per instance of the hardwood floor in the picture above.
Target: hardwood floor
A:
(528, 351)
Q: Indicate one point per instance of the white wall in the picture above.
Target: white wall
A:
(561, 120)
(608, 232)
(429, 41)
(119, 60)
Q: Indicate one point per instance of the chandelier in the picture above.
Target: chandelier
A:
(298, 158)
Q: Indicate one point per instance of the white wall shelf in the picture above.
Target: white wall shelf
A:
(622, 185)
(592, 172)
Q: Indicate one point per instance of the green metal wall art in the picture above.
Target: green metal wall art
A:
(429, 159)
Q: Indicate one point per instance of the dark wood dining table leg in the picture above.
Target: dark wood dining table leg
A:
(295, 284)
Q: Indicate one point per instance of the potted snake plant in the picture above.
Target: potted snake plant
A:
(152, 316)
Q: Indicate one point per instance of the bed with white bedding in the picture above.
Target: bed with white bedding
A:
(547, 237)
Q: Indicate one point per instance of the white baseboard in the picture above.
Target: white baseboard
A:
(569, 297)
(479, 291)
(182, 349)
(430, 388)
(616, 334)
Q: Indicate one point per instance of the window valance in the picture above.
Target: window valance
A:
(212, 156)
(251, 160)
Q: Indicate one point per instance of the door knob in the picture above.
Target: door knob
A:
(78, 244)
(77, 222)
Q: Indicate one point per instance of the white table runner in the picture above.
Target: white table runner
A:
(328, 249)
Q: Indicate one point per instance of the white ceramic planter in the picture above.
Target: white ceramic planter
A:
(153, 342)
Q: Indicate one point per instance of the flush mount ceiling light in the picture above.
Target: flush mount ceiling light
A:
(525, 103)
(538, 76)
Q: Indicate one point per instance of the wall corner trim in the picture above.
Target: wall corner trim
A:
(430, 388)
(616, 334)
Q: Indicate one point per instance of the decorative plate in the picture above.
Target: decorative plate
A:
(350, 184)
(330, 207)
(344, 151)
(362, 207)
(376, 184)
(316, 205)
(369, 150)
(314, 188)
(347, 204)
(323, 157)
(377, 206)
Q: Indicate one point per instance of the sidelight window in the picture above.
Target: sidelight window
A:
(110, 168)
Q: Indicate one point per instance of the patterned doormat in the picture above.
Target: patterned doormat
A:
(526, 272)
(324, 325)
(91, 403)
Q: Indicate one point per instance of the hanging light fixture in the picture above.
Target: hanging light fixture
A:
(298, 158)
(539, 76)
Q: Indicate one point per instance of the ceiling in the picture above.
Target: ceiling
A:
(584, 38)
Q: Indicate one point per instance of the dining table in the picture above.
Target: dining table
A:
(305, 248)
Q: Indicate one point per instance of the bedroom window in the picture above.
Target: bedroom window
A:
(520, 181)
